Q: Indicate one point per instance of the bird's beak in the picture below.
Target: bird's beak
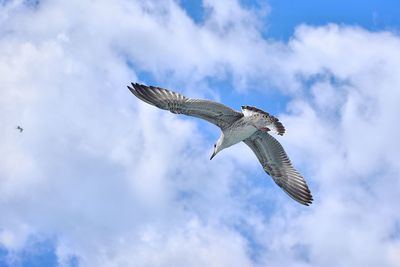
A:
(213, 155)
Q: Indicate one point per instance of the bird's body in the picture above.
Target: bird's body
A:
(252, 121)
(19, 128)
(237, 132)
(250, 126)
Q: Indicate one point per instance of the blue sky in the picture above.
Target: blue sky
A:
(371, 15)
(285, 16)
(99, 178)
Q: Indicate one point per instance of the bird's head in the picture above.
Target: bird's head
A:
(217, 147)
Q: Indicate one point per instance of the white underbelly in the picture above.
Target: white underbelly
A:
(238, 134)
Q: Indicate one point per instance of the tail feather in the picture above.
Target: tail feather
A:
(271, 122)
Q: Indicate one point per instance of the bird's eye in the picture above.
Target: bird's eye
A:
(215, 145)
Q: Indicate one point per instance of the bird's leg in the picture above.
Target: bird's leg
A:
(264, 129)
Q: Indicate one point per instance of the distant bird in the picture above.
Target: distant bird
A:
(250, 126)
(19, 129)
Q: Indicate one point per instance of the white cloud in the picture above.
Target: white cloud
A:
(93, 171)
(350, 147)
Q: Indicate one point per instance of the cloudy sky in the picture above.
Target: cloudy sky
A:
(98, 178)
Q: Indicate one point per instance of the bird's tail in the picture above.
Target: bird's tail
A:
(265, 120)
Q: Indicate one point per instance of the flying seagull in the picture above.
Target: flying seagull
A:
(252, 126)
(19, 129)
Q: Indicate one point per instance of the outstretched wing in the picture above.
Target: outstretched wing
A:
(276, 163)
(213, 112)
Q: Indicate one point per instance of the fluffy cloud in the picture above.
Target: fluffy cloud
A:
(345, 125)
(93, 172)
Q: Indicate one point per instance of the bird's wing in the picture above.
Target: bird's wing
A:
(213, 112)
(276, 163)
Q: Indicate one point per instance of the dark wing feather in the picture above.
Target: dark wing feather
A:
(213, 112)
(276, 163)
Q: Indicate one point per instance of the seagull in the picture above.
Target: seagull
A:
(252, 126)
(19, 129)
